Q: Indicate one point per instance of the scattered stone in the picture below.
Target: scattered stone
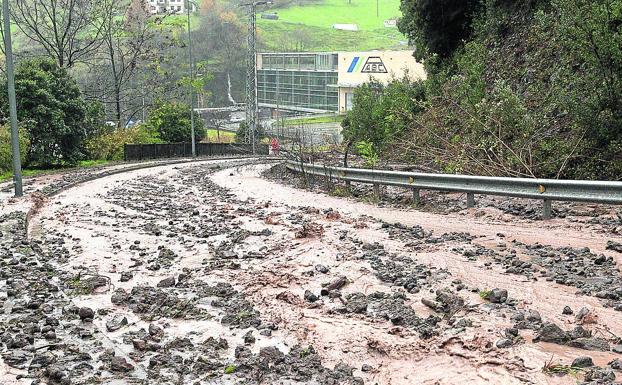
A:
(116, 323)
(356, 303)
(567, 310)
(321, 269)
(497, 295)
(310, 297)
(590, 343)
(551, 333)
(140, 345)
(119, 296)
(86, 314)
(504, 343)
(334, 285)
(582, 362)
(120, 364)
(167, 282)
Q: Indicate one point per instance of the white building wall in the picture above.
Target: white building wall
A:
(356, 68)
(168, 6)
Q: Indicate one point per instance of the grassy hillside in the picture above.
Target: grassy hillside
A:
(309, 27)
(328, 12)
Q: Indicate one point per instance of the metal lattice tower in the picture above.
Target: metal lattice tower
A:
(251, 78)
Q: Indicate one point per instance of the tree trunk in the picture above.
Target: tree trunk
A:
(117, 105)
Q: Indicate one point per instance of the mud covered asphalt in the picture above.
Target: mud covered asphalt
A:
(227, 272)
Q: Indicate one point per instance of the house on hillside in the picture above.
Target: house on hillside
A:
(169, 6)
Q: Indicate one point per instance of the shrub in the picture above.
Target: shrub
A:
(109, 145)
(171, 122)
(49, 97)
(437, 27)
(240, 135)
(381, 112)
(6, 152)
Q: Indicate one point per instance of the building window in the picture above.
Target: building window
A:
(349, 101)
(291, 62)
(307, 62)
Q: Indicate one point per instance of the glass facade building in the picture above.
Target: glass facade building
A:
(302, 80)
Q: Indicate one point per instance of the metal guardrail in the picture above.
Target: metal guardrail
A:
(547, 190)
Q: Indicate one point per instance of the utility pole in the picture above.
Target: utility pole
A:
(8, 49)
(252, 110)
(194, 151)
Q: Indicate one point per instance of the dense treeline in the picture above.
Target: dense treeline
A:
(94, 74)
(514, 88)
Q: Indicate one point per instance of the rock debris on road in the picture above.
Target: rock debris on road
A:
(209, 274)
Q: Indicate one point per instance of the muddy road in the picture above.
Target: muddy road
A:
(210, 273)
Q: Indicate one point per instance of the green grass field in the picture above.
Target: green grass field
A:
(328, 12)
(314, 119)
(309, 27)
(283, 37)
(212, 136)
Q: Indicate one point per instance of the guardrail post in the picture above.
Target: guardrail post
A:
(470, 200)
(377, 190)
(416, 197)
(546, 209)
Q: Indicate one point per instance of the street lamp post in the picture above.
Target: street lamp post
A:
(194, 153)
(8, 50)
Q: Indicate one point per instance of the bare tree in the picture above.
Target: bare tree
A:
(70, 31)
(134, 66)
(221, 38)
(125, 44)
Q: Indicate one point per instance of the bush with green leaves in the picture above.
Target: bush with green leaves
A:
(6, 150)
(383, 112)
(240, 135)
(171, 123)
(436, 27)
(368, 153)
(108, 145)
(50, 101)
